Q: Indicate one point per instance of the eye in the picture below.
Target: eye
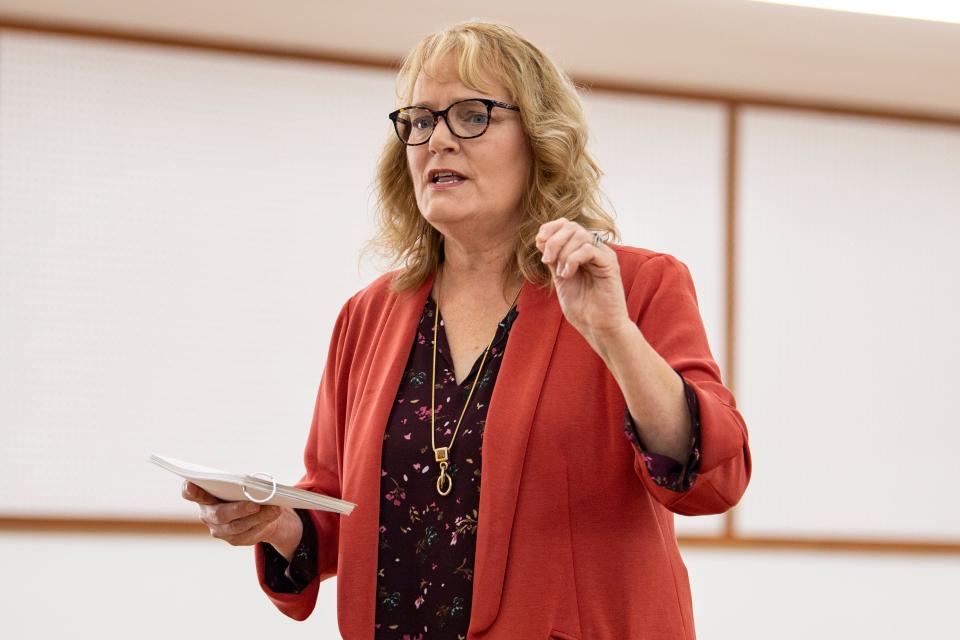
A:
(475, 117)
(424, 122)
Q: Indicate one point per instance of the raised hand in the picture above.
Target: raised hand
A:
(587, 279)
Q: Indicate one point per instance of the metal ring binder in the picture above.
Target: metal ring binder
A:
(269, 477)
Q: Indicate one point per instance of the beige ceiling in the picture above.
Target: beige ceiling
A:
(710, 46)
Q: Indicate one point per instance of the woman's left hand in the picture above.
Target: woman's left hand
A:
(587, 279)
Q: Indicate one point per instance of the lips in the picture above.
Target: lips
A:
(444, 176)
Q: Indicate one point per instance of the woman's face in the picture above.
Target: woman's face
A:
(495, 165)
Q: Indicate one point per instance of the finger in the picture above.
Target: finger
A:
(556, 242)
(581, 238)
(195, 493)
(247, 526)
(242, 525)
(253, 535)
(546, 230)
(227, 512)
(584, 255)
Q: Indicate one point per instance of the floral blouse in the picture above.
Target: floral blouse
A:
(427, 542)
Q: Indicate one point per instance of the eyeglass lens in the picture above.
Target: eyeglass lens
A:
(467, 119)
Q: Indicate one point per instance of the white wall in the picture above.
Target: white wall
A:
(147, 587)
(803, 595)
(164, 587)
(178, 230)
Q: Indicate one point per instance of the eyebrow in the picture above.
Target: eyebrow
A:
(427, 104)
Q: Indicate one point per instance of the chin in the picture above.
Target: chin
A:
(442, 215)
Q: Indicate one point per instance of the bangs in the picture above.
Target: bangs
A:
(480, 64)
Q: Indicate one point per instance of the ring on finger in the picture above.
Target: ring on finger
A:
(597, 239)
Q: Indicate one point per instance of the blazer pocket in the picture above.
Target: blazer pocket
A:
(560, 635)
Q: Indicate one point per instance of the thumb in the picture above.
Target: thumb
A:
(196, 493)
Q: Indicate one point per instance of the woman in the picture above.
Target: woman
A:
(515, 347)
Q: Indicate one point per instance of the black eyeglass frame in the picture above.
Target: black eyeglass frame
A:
(490, 104)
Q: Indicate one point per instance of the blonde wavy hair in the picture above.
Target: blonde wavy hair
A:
(564, 180)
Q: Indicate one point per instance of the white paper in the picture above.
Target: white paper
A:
(229, 487)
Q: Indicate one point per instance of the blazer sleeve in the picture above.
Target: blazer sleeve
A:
(665, 303)
(323, 458)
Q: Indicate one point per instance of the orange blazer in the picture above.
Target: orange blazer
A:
(574, 539)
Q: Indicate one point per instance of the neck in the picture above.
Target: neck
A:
(486, 259)
(479, 268)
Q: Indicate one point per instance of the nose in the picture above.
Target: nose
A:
(442, 139)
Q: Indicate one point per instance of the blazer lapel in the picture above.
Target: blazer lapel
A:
(363, 447)
(509, 418)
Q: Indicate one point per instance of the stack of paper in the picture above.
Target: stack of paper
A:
(230, 487)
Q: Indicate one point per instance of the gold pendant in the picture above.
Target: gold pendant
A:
(444, 481)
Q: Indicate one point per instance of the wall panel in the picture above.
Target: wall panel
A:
(847, 325)
(177, 233)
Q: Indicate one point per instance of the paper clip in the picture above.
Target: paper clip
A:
(267, 477)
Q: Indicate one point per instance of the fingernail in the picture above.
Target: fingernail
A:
(563, 272)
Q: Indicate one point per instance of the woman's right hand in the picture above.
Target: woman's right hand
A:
(246, 523)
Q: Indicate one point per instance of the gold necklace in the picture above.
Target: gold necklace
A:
(442, 454)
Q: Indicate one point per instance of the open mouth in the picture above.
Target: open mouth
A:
(446, 177)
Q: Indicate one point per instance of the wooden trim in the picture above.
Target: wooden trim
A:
(773, 102)
(225, 45)
(115, 526)
(100, 526)
(219, 45)
(732, 148)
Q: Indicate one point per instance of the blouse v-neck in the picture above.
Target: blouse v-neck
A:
(443, 345)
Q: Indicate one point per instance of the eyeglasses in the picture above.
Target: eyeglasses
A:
(465, 119)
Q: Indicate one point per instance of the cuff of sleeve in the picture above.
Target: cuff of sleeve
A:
(665, 471)
(294, 576)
